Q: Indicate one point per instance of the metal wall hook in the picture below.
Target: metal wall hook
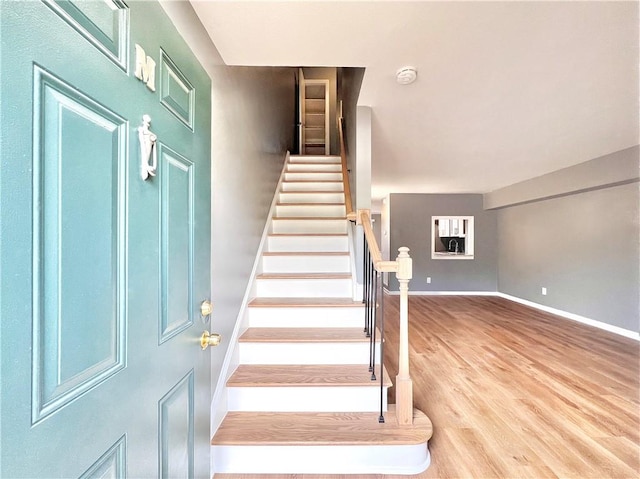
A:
(147, 149)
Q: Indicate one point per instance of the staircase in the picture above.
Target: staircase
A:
(302, 399)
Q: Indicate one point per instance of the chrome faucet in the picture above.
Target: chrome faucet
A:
(454, 242)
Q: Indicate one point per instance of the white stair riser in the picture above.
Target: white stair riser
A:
(320, 198)
(333, 167)
(306, 264)
(305, 226)
(312, 176)
(312, 186)
(307, 353)
(338, 459)
(308, 243)
(314, 159)
(290, 210)
(307, 288)
(306, 317)
(307, 399)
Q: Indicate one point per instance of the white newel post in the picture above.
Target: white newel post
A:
(404, 385)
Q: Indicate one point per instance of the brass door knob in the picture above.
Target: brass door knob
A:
(206, 308)
(209, 339)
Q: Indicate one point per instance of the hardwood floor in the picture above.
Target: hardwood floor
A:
(514, 392)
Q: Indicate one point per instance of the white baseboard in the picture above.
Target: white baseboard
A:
(444, 293)
(558, 312)
(574, 317)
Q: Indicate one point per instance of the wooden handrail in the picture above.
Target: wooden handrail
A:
(403, 269)
(351, 215)
(364, 219)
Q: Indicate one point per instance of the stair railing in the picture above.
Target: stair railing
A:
(351, 215)
(373, 298)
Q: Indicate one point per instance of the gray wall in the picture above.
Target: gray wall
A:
(349, 83)
(253, 113)
(377, 227)
(410, 226)
(583, 247)
(616, 168)
(253, 117)
(575, 231)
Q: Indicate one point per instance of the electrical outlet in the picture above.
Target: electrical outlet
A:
(428, 279)
(544, 291)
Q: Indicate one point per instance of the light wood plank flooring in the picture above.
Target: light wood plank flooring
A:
(516, 393)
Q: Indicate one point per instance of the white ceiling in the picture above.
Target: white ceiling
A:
(506, 91)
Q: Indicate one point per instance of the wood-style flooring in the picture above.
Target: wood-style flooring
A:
(514, 392)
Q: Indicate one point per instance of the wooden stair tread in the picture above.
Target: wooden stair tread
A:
(312, 218)
(230, 475)
(313, 192)
(304, 335)
(309, 163)
(320, 429)
(308, 234)
(305, 375)
(313, 181)
(305, 253)
(310, 204)
(315, 172)
(305, 303)
(304, 276)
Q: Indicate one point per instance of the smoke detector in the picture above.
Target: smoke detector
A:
(406, 75)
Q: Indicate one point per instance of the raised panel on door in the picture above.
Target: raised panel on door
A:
(103, 23)
(93, 372)
(78, 240)
(111, 465)
(176, 430)
(176, 242)
(177, 94)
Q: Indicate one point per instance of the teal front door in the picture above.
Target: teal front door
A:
(103, 268)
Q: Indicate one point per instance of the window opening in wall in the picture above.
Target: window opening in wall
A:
(452, 237)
